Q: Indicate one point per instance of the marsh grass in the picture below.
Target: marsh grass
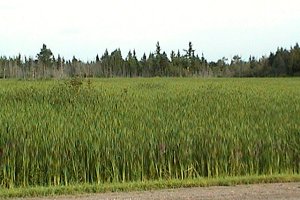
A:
(124, 130)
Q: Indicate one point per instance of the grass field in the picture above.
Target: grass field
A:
(123, 130)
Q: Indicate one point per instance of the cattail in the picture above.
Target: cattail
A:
(123, 130)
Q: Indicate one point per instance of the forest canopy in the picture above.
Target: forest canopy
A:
(284, 62)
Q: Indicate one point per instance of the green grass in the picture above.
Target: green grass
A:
(39, 191)
(113, 131)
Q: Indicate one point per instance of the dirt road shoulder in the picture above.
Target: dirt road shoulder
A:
(275, 191)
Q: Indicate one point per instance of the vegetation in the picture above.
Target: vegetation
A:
(99, 131)
(187, 63)
(145, 185)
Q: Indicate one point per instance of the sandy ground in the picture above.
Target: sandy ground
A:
(276, 191)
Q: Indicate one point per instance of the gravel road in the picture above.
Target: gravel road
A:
(275, 191)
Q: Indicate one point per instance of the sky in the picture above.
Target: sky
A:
(85, 28)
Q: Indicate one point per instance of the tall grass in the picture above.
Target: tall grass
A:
(120, 130)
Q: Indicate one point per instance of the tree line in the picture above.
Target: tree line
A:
(284, 62)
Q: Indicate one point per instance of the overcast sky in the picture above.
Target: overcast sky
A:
(84, 28)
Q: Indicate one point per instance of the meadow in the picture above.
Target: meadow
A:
(117, 130)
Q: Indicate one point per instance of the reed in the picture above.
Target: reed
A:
(122, 130)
